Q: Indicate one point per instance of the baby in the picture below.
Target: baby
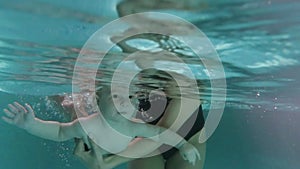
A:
(110, 128)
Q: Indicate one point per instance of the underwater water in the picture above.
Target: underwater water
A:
(257, 42)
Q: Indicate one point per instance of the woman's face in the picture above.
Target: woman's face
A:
(67, 101)
(81, 101)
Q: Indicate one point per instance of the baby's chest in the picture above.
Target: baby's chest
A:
(115, 142)
(112, 140)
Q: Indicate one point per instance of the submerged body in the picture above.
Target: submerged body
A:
(186, 112)
(110, 129)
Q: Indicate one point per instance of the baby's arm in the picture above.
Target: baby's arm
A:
(167, 136)
(24, 117)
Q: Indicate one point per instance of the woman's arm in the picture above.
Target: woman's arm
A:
(158, 134)
(24, 117)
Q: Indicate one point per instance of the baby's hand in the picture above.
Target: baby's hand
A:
(19, 115)
(189, 153)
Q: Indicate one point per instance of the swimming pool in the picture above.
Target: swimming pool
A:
(257, 41)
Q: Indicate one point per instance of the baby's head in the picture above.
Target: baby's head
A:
(117, 98)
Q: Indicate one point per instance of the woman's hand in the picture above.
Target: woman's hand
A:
(189, 153)
(92, 158)
(18, 115)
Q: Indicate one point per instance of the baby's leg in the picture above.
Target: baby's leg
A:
(177, 162)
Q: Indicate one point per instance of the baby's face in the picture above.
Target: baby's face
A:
(123, 101)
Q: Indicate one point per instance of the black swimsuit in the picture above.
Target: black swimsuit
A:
(197, 126)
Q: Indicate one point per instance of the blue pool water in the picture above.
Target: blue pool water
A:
(258, 44)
